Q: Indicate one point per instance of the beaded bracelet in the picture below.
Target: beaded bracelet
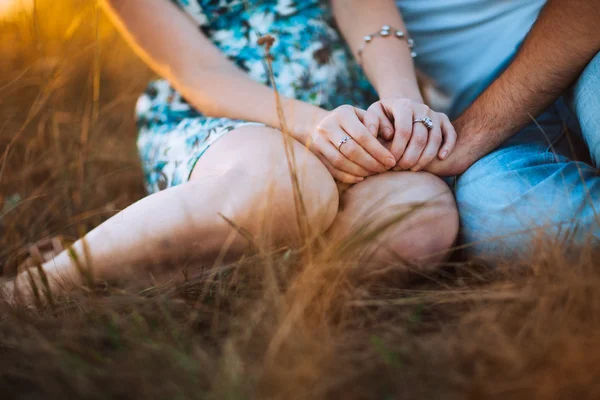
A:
(386, 31)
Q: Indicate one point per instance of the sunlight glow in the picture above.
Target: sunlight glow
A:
(8, 7)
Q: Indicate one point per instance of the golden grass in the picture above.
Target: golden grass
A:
(279, 324)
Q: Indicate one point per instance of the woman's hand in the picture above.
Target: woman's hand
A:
(359, 156)
(413, 145)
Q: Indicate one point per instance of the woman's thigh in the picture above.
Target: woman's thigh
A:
(413, 215)
(253, 163)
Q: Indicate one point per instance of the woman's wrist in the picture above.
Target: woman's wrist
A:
(302, 119)
(391, 71)
(400, 88)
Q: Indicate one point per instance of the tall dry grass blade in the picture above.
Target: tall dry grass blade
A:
(97, 66)
(443, 297)
(16, 79)
(34, 288)
(81, 269)
(46, 286)
(88, 259)
(300, 207)
(76, 23)
(242, 231)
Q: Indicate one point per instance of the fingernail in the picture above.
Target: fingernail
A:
(387, 132)
(373, 130)
(390, 162)
(359, 179)
(444, 154)
(415, 169)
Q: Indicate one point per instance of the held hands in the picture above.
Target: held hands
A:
(354, 143)
(412, 143)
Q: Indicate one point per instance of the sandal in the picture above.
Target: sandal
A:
(35, 254)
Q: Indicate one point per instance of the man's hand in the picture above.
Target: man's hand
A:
(470, 147)
(458, 162)
(562, 42)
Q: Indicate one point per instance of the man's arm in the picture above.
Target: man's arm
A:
(562, 42)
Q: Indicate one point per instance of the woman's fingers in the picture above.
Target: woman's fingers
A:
(449, 136)
(364, 149)
(337, 174)
(339, 161)
(350, 151)
(415, 147)
(372, 145)
(433, 145)
(418, 140)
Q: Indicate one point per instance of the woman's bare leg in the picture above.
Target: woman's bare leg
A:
(244, 176)
(427, 218)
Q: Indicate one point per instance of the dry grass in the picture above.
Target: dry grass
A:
(275, 325)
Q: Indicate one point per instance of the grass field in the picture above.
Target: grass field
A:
(280, 325)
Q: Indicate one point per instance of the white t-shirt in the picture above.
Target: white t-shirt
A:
(464, 44)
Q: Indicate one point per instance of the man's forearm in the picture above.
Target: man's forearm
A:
(561, 43)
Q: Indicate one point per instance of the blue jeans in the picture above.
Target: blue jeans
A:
(533, 185)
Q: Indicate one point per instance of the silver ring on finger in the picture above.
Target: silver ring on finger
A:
(344, 140)
(428, 122)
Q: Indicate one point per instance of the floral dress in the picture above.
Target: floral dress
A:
(311, 63)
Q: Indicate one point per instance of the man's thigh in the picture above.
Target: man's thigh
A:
(584, 100)
(528, 188)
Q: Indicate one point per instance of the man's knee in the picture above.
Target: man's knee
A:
(584, 99)
(506, 205)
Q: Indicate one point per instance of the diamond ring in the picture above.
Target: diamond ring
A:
(341, 142)
(425, 121)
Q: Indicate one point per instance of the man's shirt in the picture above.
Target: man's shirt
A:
(465, 44)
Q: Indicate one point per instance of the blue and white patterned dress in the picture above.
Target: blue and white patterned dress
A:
(311, 63)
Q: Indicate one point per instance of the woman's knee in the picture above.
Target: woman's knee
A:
(432, 225)
(263, 192)
(417, 211)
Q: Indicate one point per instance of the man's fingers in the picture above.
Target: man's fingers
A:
(449, 137)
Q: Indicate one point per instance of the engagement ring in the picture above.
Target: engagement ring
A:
(341, 142)
(425, 121)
